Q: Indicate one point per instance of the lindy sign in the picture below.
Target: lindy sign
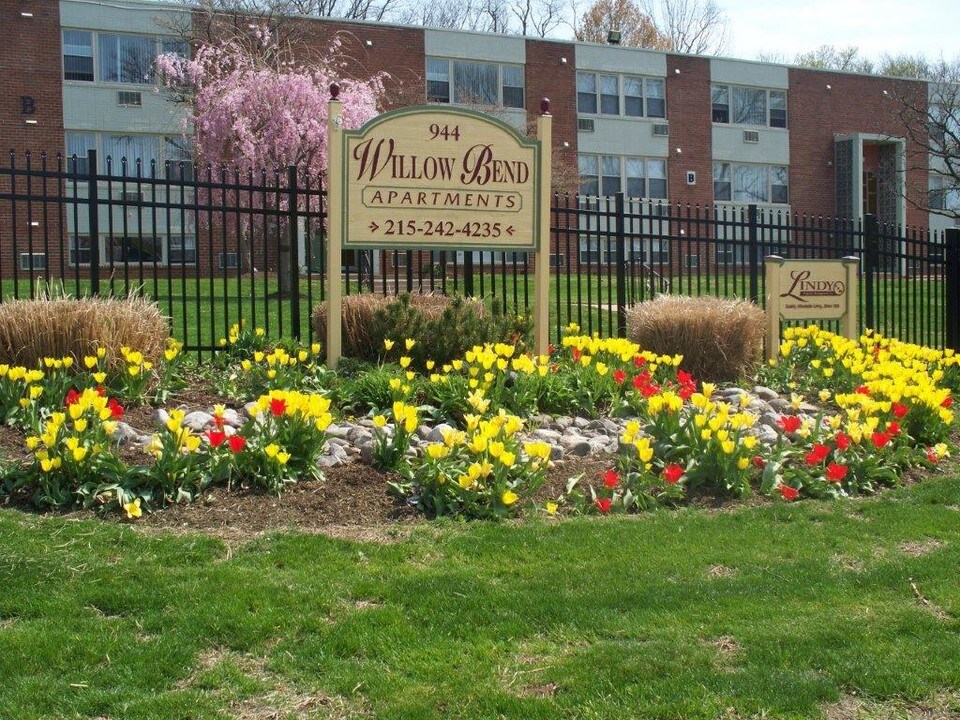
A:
(448, 178)
(810, 290)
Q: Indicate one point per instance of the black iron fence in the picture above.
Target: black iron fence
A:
(218, 247)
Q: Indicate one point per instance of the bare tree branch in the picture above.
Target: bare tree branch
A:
(697, 27)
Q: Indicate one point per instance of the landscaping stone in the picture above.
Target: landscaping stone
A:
(547, 434)
(198, 421)
(436, 434)
(160, 417)
(338, 431)
(124, 433)
(232, 418)
(765, 393)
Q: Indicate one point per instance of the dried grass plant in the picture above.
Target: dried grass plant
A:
(31, 330)
(720, 340)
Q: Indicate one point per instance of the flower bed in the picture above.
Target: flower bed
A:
(476, 437)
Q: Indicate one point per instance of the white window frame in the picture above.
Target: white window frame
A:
(624, 179)
(731, 175)
(159, 42)
(163, 241)
(452, 83)
(645, 80)
(730, 88)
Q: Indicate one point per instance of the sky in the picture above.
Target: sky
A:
(875, 26)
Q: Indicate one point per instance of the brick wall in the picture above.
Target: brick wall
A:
(854, 103)
(688, 113)
(30, 65)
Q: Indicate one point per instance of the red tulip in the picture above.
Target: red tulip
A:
(610, 478)
(788, 493)
(603, 504)
(672, 474)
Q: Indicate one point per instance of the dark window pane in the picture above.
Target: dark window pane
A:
(658, 188)
(512, 97)
(635, 187)
(721, 190)
(586, 102)
(778, 118)
(656, 107)
(633, 106)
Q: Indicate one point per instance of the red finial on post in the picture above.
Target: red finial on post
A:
(545, 106)
(334, 91)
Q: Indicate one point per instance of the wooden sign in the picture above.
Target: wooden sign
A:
(431, 177)
(810, 290)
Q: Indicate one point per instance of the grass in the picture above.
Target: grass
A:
(769, 609)
(202, 310)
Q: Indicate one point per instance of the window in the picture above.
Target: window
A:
(513, 86)
(627, 95)
(474, 83)
(126, 58)
(229, 260)
(778, 109)
(721, 182)
(586, 92)
(749, 106)
(178, 158)
(606, 175)
(78, 55)
(79, 249)
(743, 183)
(943, 196)
(632, 96)
(589, 175)
(130, 148)
(182, 249)
(33, 261)
(438, 81)
(656, 98)
(133, 249)
(609, 95)
(738, 105)
(720, 98)
(79, 143)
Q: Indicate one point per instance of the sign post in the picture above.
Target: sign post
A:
(810, 290)
(334, 231)
(541, 305)
(433, 177)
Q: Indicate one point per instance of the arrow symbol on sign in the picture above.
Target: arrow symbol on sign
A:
(510, 231)
(374, 227)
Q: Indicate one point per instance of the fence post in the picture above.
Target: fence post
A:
(753, 248)
(93, 223)
(468, 273)
(621, 266)
(871, 239)
(952, 287)
(293, 222)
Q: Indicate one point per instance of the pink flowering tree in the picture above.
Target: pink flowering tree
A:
(251, 106)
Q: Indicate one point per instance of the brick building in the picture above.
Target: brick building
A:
(657, 126)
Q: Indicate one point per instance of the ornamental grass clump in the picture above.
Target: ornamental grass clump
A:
(31, 330)
(719, 339)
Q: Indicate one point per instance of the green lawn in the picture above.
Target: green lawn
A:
(202, 310)
(769, 610)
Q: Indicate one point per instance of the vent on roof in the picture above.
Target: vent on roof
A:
(129, 98)
(751, 136)
(585, 124)
(661, 129)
